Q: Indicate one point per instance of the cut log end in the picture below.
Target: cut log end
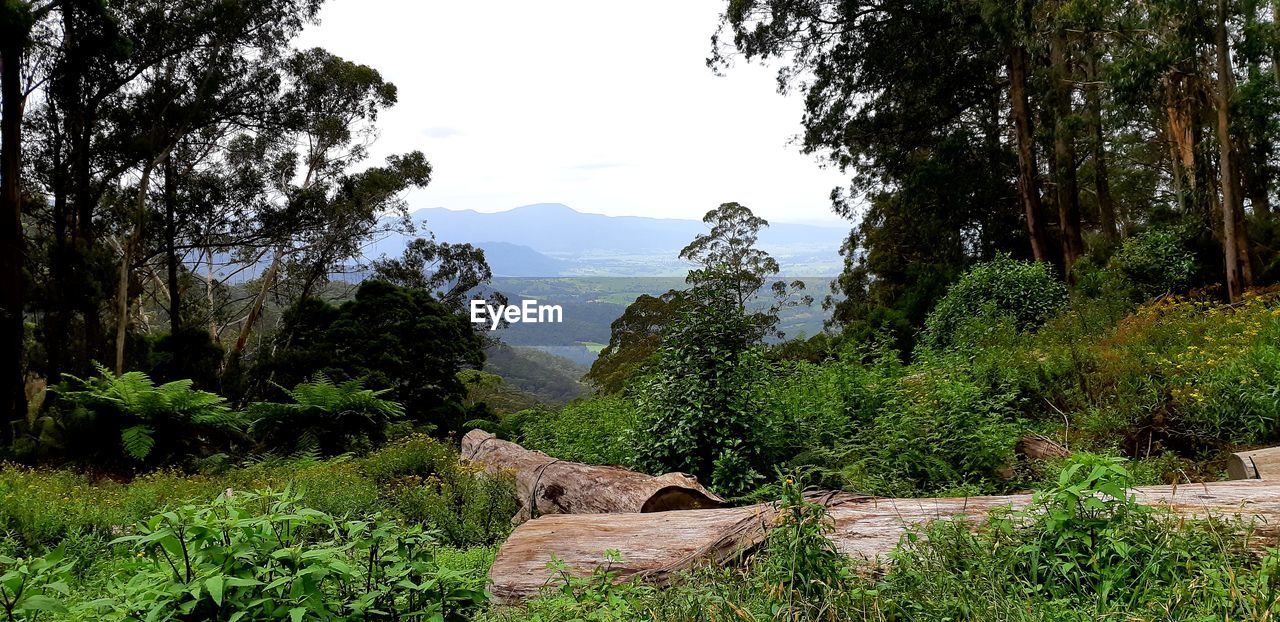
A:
(679, 498)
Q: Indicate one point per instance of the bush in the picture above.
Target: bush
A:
(1156, 261)
(43, 508)
(465, 505)
(264, 556)
(325, 418)
(390, 337)
(30, 587)
(1188, 375)
(934, 428)
(598, 430)
(702, 402)
(1026, 292)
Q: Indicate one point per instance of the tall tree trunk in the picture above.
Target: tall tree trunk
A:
(1255, 144)
(126, 257)
(1179, 125)
(255, 311)
(1275, 50)
(1064, 150)
(208, 293)
(1230, 236)
(1028, 173)
(13, 401)
(1101, 179)
(171, 250)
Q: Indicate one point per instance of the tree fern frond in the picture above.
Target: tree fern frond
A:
(138, 441)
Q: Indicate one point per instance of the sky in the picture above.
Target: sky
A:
(605, 106)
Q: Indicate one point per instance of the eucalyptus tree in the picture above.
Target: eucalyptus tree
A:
(917, 123)
(320, 211)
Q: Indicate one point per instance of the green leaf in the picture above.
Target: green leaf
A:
(214, 585)
(137, 441)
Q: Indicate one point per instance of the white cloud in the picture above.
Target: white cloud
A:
(607, 107)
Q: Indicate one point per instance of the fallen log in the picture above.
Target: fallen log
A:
(550, 486)
(1255, 464)
(655, 547)
(1039, 447)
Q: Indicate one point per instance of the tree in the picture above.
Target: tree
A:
(634, 338)
(16, 22)
(327, 113)
(919, 128)
(390, 337)
(1235, 242)
(728, 260)
(449, 271)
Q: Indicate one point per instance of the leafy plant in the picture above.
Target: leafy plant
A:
(153, 424)
(32, 586)
(1156, 261)
(1026, 292)
(703, 400)
(326, 417)
(802, 570)
(264, 556)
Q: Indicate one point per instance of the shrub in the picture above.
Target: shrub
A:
(1189, 375)
(802, 569)
(127, 419)
(1026, 292)
(464, 504)
(264, 556)
(598, 430)
(702, 400)
(938, 428)
(326, 418)
(33, 586)
(1156, 261)
(391, 337)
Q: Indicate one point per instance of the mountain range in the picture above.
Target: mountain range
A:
(552, 239)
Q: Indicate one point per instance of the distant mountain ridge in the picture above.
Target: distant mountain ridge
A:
(552, 239)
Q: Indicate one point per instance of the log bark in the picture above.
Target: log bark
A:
(1255, 464)
(656, 547)
(547, 485)
(1038, 447)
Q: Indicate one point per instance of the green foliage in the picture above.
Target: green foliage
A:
(1187, 375)
(802, 569)
(325, 417)
(1024, 291)
(30, 587)
(702, 402)
(127, 419)
(598, 597)
(1156, 261)
(600, 430)
(44, 507)
(188, 353)
(934, 427)
(265, 556)
(394, 338)
(425, 483)
(634, 338)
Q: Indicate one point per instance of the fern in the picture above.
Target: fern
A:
(326, 417)
(138, 441)
(173, 416)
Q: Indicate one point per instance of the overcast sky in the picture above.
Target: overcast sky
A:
(605, 106)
